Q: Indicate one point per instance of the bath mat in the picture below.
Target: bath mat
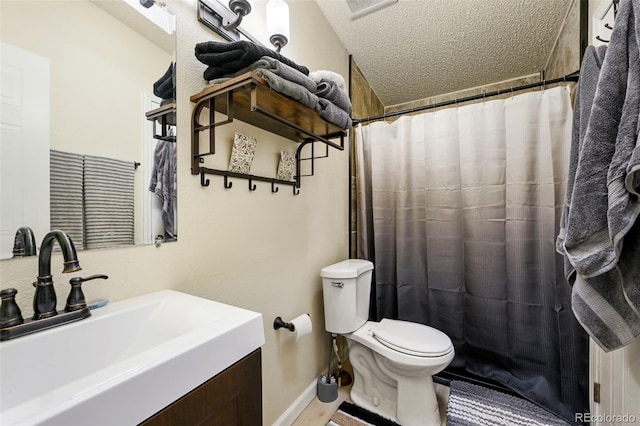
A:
(352, 415)
(472, 405)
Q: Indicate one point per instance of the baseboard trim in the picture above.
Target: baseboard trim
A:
(297, 407)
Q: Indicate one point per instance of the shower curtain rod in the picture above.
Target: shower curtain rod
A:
(571, 77)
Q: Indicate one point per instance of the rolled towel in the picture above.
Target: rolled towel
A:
(333, 114)
(320, 75)
(329, 90)
(227, 58)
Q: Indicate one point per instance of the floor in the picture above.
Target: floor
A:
(318, 413)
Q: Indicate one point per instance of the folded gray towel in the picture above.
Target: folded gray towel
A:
(289, 88)
(331, 91)
(333, 114)
(278, 68)
(602, 211)
(281, 78)
(226, 58)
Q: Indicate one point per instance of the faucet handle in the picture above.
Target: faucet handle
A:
(76, 300)
(10, 314)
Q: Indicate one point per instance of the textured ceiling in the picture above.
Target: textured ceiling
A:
(415, 49)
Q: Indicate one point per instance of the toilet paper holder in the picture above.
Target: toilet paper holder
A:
(280, 323)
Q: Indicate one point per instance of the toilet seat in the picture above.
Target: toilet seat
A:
(412, 338)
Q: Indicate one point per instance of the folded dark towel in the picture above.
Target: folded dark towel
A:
(165, 86)
(329, 90)
(228, 58)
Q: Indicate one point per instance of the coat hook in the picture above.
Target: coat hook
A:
(227, 184)
(252, 187)
(274, 188)
(294, 190)
(203, 181)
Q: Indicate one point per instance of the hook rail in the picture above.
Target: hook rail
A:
(251, 178)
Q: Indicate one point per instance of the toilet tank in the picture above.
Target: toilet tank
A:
(346, 287)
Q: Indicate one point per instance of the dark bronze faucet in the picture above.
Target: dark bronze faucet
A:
(44, 300)
(24, 243)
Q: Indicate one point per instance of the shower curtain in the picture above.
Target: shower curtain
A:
(459, 210)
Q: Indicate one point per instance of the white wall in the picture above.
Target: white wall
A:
(257, 250)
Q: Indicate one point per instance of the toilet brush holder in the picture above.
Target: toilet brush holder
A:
(327, 388)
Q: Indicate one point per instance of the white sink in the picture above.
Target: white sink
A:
(123, 364)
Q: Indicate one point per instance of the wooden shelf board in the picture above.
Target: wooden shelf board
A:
(157, 112)
(271, 102)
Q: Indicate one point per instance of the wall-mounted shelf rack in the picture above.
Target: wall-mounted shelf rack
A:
(248, 98)
(165, 116)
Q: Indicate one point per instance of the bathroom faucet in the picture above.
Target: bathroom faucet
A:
(24, 243)
(45, 316)
(44, 299)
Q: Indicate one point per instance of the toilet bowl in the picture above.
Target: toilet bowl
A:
(393, 361)
(393, 380)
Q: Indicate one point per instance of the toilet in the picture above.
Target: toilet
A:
(393, 361)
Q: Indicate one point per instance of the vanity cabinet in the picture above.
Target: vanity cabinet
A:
(233, 397)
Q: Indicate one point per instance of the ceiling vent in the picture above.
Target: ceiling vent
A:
(360, 8)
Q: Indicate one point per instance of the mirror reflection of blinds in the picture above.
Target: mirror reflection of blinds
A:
(92, 198)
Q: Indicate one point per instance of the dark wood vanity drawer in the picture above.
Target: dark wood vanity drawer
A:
(233, 397)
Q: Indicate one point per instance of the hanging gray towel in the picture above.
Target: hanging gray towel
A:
(164, 184)
(603, 207)
(67, 194)
(589, 73)
(109, 202)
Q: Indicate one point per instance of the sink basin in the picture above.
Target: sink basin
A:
(125, 363)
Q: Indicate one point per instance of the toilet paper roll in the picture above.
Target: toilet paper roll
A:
(302, 326)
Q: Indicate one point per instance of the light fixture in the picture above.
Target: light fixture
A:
(225, 22)
(241, 8)
(278, 23)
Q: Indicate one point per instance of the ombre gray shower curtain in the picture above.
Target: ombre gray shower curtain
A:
(459, 210)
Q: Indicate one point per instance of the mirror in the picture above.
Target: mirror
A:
(88, 121)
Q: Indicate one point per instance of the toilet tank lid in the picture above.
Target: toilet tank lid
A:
(350, 268)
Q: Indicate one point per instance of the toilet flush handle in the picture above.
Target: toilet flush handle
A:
(337, 284)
